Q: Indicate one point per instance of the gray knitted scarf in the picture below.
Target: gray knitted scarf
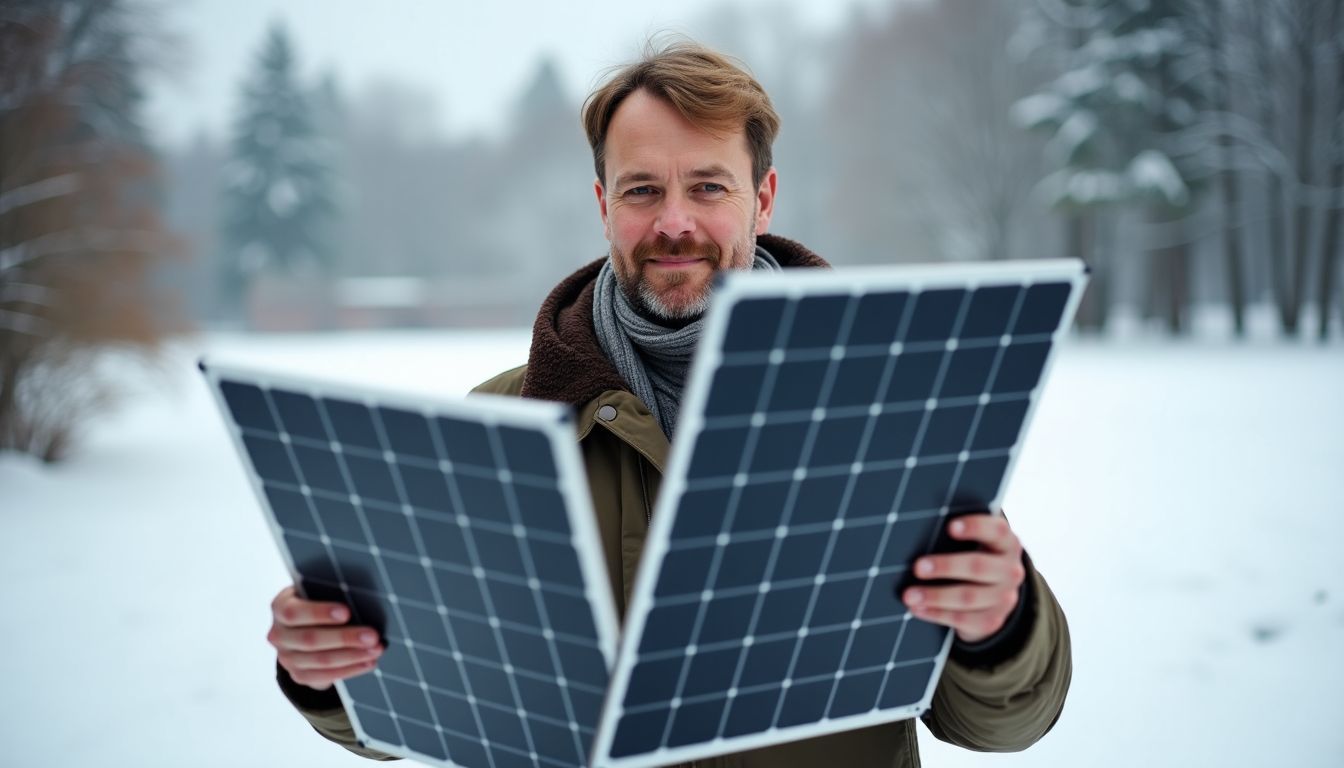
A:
(652, 358)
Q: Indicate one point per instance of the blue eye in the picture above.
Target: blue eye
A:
(712, 187)
(646, 190)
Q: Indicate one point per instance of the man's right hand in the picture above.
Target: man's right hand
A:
(314, 644)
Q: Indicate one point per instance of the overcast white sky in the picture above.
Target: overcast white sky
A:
(470, 57)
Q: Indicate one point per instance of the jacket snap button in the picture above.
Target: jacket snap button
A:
(606, 413)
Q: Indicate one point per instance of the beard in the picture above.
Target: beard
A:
(650, 302)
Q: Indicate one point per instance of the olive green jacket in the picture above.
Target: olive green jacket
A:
(1000, 697)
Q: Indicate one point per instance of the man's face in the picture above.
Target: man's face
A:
(677, 205)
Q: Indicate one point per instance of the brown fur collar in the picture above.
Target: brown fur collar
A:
(566, 364)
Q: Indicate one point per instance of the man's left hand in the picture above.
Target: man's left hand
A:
(987, 581)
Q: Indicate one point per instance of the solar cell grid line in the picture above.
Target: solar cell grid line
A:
(368, 481)
(963, 356)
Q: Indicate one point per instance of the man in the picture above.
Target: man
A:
(685, 186)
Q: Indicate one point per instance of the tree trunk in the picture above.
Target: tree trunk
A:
(1335, 211)
(1306, 116)
(1268, 118)
(1232, 258)
(1079, 243)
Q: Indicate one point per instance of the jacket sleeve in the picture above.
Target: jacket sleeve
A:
(323, 711)
(1009, 705)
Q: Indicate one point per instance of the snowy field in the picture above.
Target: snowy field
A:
(1184, 500)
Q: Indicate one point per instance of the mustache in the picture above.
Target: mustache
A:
(666, 246)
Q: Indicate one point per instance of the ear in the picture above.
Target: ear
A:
(765, 201)
(602, 207)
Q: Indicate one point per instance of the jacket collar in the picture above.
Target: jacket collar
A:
(566, 364)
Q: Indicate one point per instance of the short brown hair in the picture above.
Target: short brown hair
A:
(709, 89)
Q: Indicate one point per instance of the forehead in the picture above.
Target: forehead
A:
(648, 134)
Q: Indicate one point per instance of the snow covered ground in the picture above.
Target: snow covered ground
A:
(1184, 500)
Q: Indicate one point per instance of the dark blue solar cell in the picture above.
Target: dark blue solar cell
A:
(378, 725)
(838, 601)
(396, 660)
(820, 652)
(407, 699)
(837, 442)
(426, 489)
(1020, 369)
(490, 684)
(483, 498)
(422, 738)
(726, 619)
(874, 643)
(709, 670)
(426, 627)
(779, 447)
(683, 572)
(298, 415)
(701, 513)
(498, 552)
(877, 319)
(743, 563)
(1000, 424)
(465, 442)
(934, 315)
(541, 508)
(653, 681)
(908, 539)
(856, 381)
(819, 499)
(372, 479)
(736, 390)
(906, 685)
(319, 468)
(291, 510)
(718, 452)
(527, 452)
(800, 556)
(555, 564)
(391, 530)
(248, 406)
(270, 459)
(921, 639)
(696, 722)
(855, 548)
(893, 436)
(454, 712)
(352, 424)
(466, 750)
(569, 615)
(582, 663)
(528, 650)
(804, 703)
(441, 672)
(513, 603)
(874, 493)
(311, 558)
(639, 732)
(340, 520)
(947, 431)
(979, 482)
(767, 662)
(667, 627)
(913, 377)
(782, 610)
(855, 694)
(444, 541)
(359, 567)
(474, 638)
(408, 580)
(1042, 308)
(760, 507)
(927, 487)
(408, 433)
(366, 690)
(554, 742)
(503, 728)
(754, 325)
(968, 372)
(991, 309)
(816, 322)
(751, 713)
(540, 697)
(587, 704)
(798, 385)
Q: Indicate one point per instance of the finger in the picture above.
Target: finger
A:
(293, 611)
(320, 639)
(977, 567)
(970, 626)
(961, 597)
(991, 530)
(322, 680)
(339, 658)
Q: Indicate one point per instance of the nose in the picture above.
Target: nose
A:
(674, 218)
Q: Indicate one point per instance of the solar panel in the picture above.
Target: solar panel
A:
(463, 531)
(831, 425)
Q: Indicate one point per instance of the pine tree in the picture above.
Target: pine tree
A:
(279, 200)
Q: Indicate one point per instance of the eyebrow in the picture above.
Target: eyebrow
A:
(714, 171)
